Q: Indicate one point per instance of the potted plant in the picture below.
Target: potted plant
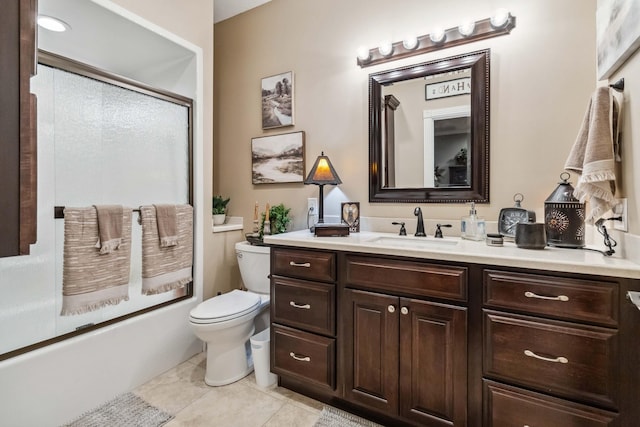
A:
(461, 157)
(278, 218)
(219, 209)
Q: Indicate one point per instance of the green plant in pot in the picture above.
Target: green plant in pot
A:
(219, 209)
(279, 219)
(461, 157)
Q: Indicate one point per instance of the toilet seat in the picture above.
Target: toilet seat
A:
(225, 307)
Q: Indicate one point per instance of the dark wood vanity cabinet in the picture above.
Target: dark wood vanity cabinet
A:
(551, 352)
(303, 319)
(419, 342)
(404, 356)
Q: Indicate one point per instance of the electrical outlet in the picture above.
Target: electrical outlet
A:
(620, 210)
(312, 206)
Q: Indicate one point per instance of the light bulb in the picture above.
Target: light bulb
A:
(437, 35)
(499, 18)
(52, 24)
(410, 42)
(363, 53)
(385, 48)
(466, 28)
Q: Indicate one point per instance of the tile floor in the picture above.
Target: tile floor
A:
(181, 391)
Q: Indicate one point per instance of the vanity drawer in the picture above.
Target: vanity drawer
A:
(509, 406)
(305, 305)
(406, 277)
(567, 359)
(304, 264)
(306, 356)
(571, 299)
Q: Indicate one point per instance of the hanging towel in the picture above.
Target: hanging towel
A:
(594, 153)
(167, 227)
(109, 227)
(166, 268)
(90, 280)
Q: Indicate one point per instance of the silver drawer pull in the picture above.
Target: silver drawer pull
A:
(558, 298)
(300, 264)
(305, 306)
(300, 358)
(546, 359)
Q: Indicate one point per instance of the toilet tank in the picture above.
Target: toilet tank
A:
(254, 262)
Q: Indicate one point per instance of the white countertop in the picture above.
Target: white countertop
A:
(549, 258)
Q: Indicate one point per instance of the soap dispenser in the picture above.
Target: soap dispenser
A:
(472, 227)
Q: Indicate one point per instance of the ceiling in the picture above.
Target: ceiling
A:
(102, 38)
(224, 9)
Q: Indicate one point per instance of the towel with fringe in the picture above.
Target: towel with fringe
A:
(167, 227)
(109, 227)
(90, 280)
(595, 151)
(166, 268)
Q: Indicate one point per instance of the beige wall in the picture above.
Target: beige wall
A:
(630, 177)
(542, 76)
(193, 21)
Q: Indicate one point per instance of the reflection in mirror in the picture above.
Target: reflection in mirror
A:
(447, 143)
(429, 137)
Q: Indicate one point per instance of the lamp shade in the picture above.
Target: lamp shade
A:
(323, 173)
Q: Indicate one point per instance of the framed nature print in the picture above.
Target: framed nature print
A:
(278, 158)
(277, 100)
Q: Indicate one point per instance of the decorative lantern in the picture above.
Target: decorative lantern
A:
(564, 216)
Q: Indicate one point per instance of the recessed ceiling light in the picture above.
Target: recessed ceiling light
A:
(52, 24)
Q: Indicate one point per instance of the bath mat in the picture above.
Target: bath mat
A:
(332, 417)
(126, 410)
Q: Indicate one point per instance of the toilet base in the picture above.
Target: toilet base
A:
(229, 366)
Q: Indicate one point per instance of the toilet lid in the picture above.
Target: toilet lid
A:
(225, 307)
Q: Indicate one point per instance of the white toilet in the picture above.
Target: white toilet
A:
(227, 321)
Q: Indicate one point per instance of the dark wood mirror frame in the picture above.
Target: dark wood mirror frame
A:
(478, 191)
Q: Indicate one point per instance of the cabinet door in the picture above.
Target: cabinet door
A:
(371, 349)
(433, 363)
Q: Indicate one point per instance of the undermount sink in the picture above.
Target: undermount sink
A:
(413, 242)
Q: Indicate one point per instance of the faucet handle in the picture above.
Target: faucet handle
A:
(403, 231)
(439, 230)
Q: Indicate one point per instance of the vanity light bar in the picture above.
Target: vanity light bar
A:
(483, 29)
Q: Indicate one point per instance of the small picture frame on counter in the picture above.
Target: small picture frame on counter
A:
(351, 215)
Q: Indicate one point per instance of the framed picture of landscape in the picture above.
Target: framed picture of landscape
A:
(278, 158)
(277, 100)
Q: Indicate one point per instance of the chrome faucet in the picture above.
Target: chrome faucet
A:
(420, 229)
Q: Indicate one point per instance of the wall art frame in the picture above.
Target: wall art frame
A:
(350, 215)
(455, 87)
(277, 98)
(617, 34)
(278, 158)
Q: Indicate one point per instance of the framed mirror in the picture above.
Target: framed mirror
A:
(429, 131)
